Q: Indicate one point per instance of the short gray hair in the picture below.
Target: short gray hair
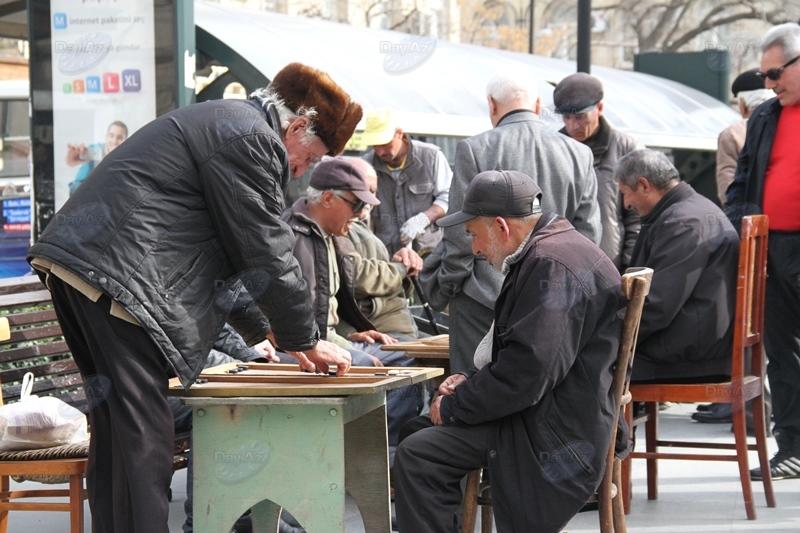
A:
(653, 165)
(285, 114)
(313, 195)
(505, 88)
(753, 99)
(787, 36)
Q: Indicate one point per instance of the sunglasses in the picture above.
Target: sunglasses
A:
(357, 206)
(775, 73)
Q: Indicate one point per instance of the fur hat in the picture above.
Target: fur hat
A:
(299, 86)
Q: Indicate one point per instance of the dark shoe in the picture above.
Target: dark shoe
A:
(705, 407)
(785, 465)
(720, 414)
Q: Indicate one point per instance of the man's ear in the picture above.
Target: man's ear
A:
(492, 105)
(501, 224)
(643, 184)
(600, 106)
(327, 199)
(298, 126)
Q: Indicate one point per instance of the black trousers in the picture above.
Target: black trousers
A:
(782, 335)
(132, 435)
(428, 468)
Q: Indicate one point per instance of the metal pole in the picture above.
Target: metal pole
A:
(584, 36)
(531, 20)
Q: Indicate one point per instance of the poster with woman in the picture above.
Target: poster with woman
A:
(103, 82)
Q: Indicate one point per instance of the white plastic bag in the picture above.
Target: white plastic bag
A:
(35, 422)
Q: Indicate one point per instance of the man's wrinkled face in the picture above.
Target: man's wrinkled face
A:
(787, 86)
(391, 153)
(303, 150)
(343, 209)
(635, 198)
(114, 137)
(486, 241)
(581, 126)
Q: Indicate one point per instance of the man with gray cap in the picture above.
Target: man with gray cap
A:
(579, 100)
(539, 413)
(561, 167)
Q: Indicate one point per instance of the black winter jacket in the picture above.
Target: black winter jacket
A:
(547, 389)
(180, 218)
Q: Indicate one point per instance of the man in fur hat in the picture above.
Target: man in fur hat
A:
(147, 259)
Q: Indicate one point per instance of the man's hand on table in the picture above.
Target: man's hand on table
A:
(371, 337)
(267, 351)
(323, 356)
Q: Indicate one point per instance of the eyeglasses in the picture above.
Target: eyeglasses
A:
(356, 206)
(775, 73)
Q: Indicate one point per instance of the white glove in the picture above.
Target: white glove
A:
(413, 227)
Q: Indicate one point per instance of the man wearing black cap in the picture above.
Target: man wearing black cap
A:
(579, 100)
(539, 413)
(749, 92)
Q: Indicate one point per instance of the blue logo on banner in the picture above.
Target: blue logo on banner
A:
(93, 84)
(131, 81)
(59, 21)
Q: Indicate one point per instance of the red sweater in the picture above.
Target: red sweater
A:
(782, 186)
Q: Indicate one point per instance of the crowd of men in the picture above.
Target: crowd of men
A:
(198, 260)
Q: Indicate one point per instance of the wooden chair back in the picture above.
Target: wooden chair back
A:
(635, 288)
(36, 345)
(751, 282)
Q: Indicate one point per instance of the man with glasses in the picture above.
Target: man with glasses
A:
(337, 195)
(767, 181)
(579, 100)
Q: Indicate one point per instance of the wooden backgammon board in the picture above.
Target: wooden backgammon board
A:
(272, 379)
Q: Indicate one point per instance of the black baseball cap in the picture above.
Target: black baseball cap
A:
(339, 174)
(747, 81)
(497, 193)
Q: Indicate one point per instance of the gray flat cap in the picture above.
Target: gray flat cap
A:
(577, 93)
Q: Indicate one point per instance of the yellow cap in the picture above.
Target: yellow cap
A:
(379, 129)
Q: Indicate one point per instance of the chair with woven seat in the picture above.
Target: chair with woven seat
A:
(742, 387)
(635, 287)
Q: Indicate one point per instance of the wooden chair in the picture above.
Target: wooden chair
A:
(747, 337)
(36, 344)
(635, 287)
(35, 323)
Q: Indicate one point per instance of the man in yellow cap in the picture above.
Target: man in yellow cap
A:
(413, 185)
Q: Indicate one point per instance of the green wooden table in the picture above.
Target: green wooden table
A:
(268, 437)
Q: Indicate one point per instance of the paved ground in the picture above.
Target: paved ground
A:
(693, 497)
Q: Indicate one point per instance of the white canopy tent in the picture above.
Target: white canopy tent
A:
(438, 88)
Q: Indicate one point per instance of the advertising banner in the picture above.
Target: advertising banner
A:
(104, 87)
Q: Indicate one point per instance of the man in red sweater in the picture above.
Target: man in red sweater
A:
(768, 181)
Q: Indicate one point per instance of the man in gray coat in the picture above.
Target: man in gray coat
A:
(561, 167)
(579, 101)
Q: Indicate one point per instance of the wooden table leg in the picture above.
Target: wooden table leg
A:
(367, 469)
